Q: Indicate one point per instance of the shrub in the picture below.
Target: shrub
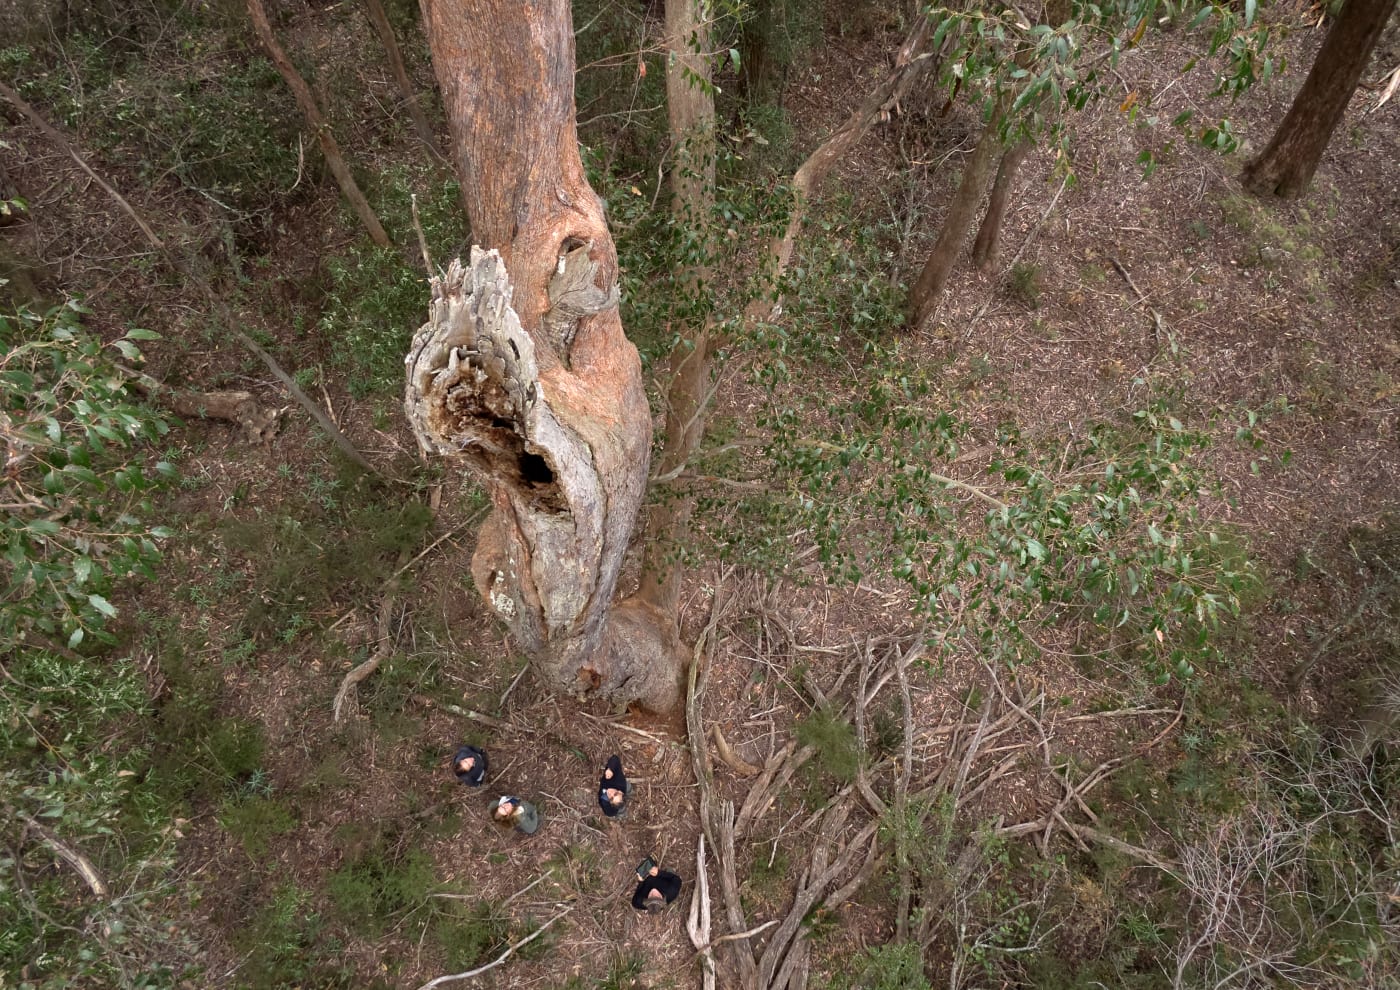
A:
(76, 478)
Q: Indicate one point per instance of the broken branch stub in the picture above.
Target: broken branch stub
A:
(563, 451)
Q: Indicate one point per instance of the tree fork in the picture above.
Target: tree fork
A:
(984, 248)
(933, 279)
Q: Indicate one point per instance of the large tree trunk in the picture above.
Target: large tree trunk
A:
(939, 267)
(385, 30)
(523, 371)
(1285, 168)
(984, 248)
(318, 123)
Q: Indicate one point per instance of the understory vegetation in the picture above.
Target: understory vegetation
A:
(1084, 599)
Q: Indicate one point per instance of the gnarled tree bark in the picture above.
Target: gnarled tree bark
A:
(1285, 168)
(523, 372)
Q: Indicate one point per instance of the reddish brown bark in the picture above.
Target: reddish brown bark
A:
(318, 124)
(1285, 168)
(933, 279)
(984, 248)
(534, 384)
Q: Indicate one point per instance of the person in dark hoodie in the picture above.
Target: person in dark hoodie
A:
(656, 888)
(613, 788)
(469, 764)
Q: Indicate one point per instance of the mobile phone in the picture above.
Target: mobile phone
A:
(645, 867)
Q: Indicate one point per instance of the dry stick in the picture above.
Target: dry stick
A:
(719, 834)
(901, 809)
(58, 139)
(820, 876)
(698, 923)
(187, 270)
(66, 852)
(383, 647)
(1159, 326)
(377, 17)
(877, 804)
(322, 128)
(499, 959)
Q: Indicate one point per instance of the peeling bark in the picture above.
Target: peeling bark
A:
(523, 372)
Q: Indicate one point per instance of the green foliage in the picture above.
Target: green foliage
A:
(377, 299)
(178, 94)
(78, 484)
(254, 821)
(834, 739)
(379, 883)
(1042, 72)
(895, 966)
(286, 944)
(470, 934)
(302, 564)
(1023, 283)
(1102, 527)
(71, 762)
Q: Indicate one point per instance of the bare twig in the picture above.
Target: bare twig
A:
(471, 973)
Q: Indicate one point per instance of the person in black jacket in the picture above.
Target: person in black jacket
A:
(613, 788)
(656, 888)
(469, 764)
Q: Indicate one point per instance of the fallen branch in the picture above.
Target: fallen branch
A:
(383, 647)
(69, 855)
(469, 974)
(719, 834)
(259, 424)
(698, 923)
(1159, 325)
(730, 758)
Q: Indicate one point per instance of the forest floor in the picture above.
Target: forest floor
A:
(343, 852)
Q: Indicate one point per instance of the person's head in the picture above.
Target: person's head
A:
(614, 796)
(656, 901)
(466, 763)
(505, 807)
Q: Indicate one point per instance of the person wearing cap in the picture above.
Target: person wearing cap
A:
(613, 788)
(656, 888)
(469, 764)
(517, 813)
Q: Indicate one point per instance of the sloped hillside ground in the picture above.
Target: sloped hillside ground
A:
(1071, 824)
